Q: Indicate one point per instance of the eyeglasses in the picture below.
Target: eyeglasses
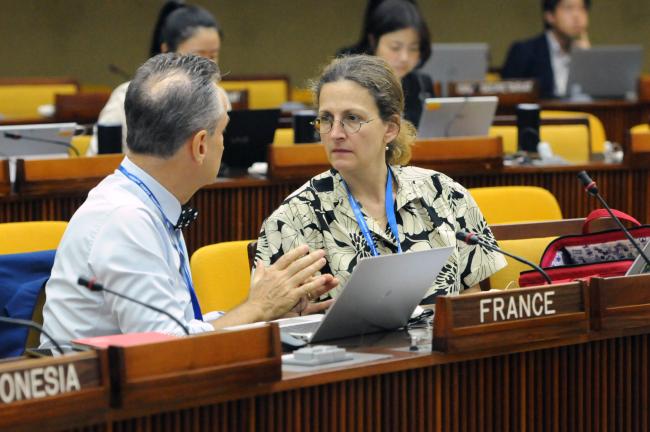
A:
(351, 124)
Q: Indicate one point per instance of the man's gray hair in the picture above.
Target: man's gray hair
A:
(170, 98)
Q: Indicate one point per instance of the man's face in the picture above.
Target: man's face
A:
(570, 19)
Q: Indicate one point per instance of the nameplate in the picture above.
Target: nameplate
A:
(494, 87)
(30, 379)
(501, 318)
(620, 303)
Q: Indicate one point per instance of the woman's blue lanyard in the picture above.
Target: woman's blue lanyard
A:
(390, 215)
(176, 241)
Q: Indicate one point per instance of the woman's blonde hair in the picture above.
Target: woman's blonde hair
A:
(376, 76)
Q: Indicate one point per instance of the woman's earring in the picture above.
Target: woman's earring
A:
(387, 148)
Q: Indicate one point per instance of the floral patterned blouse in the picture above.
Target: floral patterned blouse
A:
(429, 207)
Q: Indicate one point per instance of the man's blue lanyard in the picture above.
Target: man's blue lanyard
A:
(176, 241)
(390, 215)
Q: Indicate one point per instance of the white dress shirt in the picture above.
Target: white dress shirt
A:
(560, 62)
(119, 238)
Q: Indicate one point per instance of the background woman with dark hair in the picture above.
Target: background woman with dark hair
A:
(396, 32)
(185, 29)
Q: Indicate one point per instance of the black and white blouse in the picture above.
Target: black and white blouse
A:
(429, 206)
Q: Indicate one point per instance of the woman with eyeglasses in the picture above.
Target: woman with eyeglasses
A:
(180, 28)
(370, 202)
(396, 31)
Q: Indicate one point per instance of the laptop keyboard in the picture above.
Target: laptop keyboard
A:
(309, 327)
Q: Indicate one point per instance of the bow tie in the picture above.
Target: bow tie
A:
(188, 215)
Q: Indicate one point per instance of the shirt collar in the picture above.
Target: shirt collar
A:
(170, 205)
(554, 45)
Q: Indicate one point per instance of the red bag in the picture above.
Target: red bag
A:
(582, 256)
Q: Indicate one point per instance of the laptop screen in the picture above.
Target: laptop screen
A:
(36, 139)
(458, 116)
(247, 137)
(605, 71)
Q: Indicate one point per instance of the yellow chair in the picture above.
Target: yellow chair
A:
(570, 142)
(283, 137)
(81, 143)
(221, 275)
(530, 249)
(22, 100)
(640, 128)
(507, 204)
(22, 237)
(596, 128)
(262, 93)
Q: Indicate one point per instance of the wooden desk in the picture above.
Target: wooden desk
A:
(595, 382)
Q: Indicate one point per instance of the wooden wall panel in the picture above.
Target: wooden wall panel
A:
(236, 210)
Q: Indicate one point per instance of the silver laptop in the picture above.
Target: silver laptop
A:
(605, 72)
(380, 295)
(457, 116)
(451, 62)
(36, 139)
(639, 265)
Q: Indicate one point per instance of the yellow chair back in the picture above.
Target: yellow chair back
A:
(570, 142)
(283, 137)
(22, 237)
(530, 249)
(640, 128)
(81, 143)
(221, 275)
(596, 127)
(23, 100)
(263, 93)
(508, 204)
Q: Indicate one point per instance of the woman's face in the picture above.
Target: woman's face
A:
(350, 150)
(205, 43)
(401, 49)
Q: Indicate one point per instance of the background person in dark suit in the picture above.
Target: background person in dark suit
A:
(547, 57)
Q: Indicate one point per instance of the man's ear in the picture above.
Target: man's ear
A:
(164, 48)
(549, 18)
(392, 131)
(199, 145)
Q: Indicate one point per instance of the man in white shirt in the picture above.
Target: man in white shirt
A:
(125, 236)
(547, 57)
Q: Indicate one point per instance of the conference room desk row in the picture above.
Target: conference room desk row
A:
(553, 372)
(234, 208)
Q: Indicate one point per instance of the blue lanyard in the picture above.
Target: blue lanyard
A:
(390, 215)
(176, 241)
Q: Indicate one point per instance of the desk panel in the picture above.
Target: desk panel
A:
(233, 209)
(595, 385)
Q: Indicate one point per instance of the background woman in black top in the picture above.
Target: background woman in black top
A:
(396, 32)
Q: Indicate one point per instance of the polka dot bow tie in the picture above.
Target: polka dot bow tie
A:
(188, 215)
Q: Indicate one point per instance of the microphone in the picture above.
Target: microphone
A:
(92, 285)
(591, 188)
(16, 136)
(114, 69)
(474, 239)
(33, 325)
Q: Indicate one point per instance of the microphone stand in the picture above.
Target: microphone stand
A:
(592, 189)
(33, 325)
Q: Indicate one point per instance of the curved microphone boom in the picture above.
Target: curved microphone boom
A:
(16, 136)
(474, 239)
(33, 325)
(592, 189)
(94, 286)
